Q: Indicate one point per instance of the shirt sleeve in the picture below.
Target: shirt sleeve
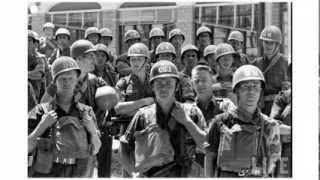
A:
(120, 86)
(213, 137)
(34, 117)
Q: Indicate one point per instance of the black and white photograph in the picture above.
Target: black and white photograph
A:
(161, 89)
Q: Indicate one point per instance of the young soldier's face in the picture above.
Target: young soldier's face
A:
(94, 38)
(177, 41)
(156, 40)
(48, 32)
(190, 59)
(202, 82)
(66, 82)
(249, 93)
(269, 48)
(237, 45)
(166, 56)
(87, 62)
(226, 61)
(164, 88)
(106, 40)
(63, 40)
(101, 58)
(204, 39)
(136, 63)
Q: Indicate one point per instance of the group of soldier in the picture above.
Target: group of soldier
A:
(204, 110)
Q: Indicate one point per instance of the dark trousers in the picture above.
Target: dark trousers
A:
(104, 156)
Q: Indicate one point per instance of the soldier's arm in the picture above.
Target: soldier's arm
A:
(210, 166)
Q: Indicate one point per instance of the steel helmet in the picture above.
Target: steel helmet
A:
(64, 64)
(165, 47)
(103, 48)
(245, 73)
(203, 29)
(236, 35)
(271, 33)
(48, 25)
(224, 49)
(33, 35)
(61, 31)
(80, 47)
(175, 32)
(30, 34)
(138, 49)
(91, 30)
(131, 34)
(189, 47)
(210, 49)
(105, 32)
(156, 32)
(163, 68)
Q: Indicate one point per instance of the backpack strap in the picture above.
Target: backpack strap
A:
(272, 63)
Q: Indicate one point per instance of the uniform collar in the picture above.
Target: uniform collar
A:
(246, 117)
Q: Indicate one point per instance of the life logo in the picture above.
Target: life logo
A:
(164, 69)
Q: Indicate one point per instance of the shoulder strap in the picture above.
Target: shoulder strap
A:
(272, 63)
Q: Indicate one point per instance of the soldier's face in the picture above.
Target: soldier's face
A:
(66, 82)
(164, 88)
(101, 58)
(136, 63)
(226, 61)
(237, 45)
(130, 42)
(249, 93)
(106, 40)
(165, 56)
(202, 82)
(177, 41)
(48, 32)
(94, 38)
(211, 60)
(63, 40)
(190, 59)
(204, 39)
(87, 62)
(269, 48)
(156, 40)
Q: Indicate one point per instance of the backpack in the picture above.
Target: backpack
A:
(239, 145)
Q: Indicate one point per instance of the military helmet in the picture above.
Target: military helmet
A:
(156, 32)
(138, 49)
(33, 35)
(223, 49)
(175, 32)
(91, 30)
(203, 29)
(80, 47)
(210, 49)
(105, 32)
(165, 47)
(163, 68)
(236, 35)
(103, 48)
(61, 31)
(64, 64)
(189, 47)
(48, 25)
(271, 33)
(245, 73)
(131, 34)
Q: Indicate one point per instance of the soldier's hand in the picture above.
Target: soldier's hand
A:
(48, 119)
(179, 115)
(95, 141)
(148, 101)
(217, 87)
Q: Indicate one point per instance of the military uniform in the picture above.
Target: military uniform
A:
(275, 73)
(185, 91)
(107, 75)
(180, 140)
(223, 92)
(68, 158)
(239, 60)
(268, 144)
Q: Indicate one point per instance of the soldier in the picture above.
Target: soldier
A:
(48, 30)
(156, 36)
(103, 66)
(224, 59)
(106, 36)
(93, 35)
(161, 138)
(62, 132)
(204, 36)
(122, 65)
(235, 39)
(166, 51)
(36, 66)
(62, 38)
(176, 38)
(209, 57)
(273, 64)
(210, 106)
(244, 142)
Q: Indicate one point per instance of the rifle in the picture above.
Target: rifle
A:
(113, 127)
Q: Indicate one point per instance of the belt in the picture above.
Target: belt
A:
(269, 97)
(67, 161)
